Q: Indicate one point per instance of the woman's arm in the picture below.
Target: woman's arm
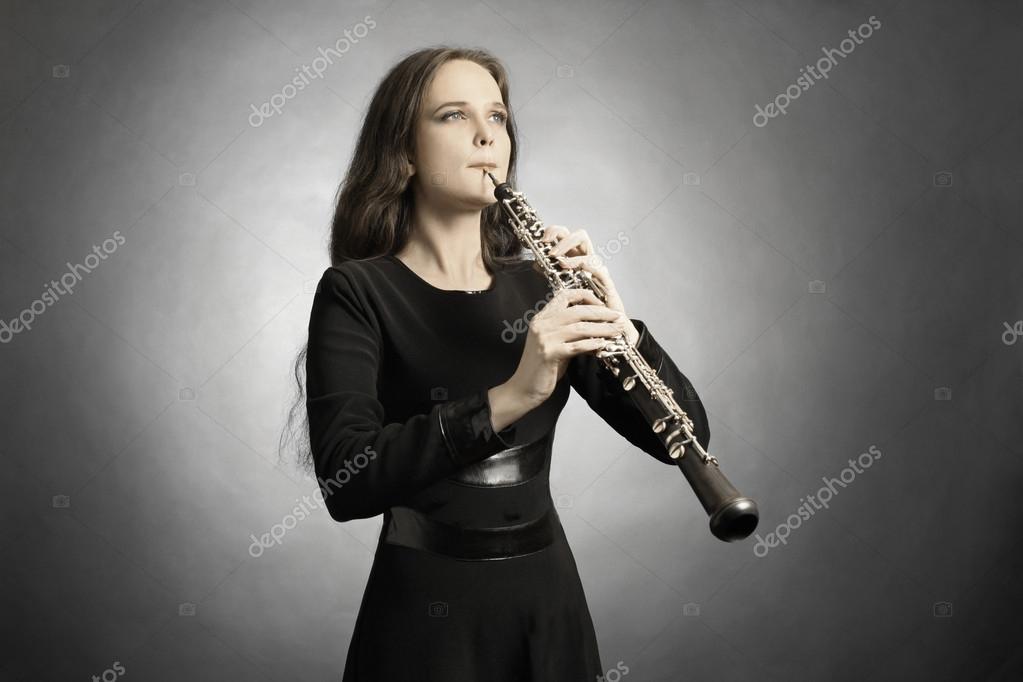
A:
(363, 465)
(603, 392)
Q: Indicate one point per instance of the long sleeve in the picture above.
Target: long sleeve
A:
(604, 394)
(363, 465)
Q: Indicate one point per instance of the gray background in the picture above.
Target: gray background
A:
(141, 413)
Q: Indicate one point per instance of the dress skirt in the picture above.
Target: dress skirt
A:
(426, 617)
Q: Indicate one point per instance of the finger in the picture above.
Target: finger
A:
(597, 270)
(584, 346)
(566, 351)
(567, 297)
(585, 245)
(554, 232)
(576, 240)
(600, 313)
(589, 330)
(590, 262)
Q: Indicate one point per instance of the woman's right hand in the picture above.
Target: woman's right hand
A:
(573, 322)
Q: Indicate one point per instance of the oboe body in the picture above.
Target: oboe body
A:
(732, 516)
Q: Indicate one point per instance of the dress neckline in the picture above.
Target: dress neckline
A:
(479, 293)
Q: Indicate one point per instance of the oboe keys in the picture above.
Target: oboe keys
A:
(659, 424)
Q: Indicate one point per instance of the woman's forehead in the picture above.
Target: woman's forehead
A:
(461, 80)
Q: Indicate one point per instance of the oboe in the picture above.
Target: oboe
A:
(732, 516)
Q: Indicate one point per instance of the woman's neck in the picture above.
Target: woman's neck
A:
(447, 262)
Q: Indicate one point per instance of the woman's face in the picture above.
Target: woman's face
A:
(462, 124)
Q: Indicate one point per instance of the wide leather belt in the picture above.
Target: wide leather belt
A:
(410, 528)
(510, 466)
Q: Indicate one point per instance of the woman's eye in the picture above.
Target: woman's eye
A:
(502, 117)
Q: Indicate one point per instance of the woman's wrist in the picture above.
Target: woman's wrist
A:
(507, 405)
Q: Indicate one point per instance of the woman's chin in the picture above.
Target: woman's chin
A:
(478, 199)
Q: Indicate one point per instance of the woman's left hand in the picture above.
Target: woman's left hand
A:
(576, 251)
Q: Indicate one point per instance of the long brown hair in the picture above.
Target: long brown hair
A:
(374, 204)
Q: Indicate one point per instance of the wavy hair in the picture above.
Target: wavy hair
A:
(374, 202)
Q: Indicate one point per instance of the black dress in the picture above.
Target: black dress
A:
(473, 578)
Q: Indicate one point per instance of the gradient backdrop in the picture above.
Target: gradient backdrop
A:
(841, 280)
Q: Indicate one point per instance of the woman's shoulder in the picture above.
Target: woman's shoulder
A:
(354, 279)
(354, 270)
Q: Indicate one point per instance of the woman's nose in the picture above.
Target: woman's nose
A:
(484, 135)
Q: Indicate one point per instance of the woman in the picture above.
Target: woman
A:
(427, 403)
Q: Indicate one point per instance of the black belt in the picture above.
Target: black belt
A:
(410, 528)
